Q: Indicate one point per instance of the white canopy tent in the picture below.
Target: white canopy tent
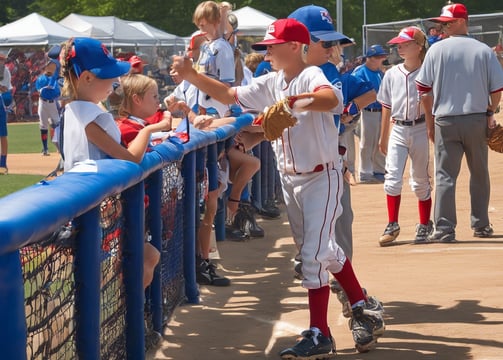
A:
(34, 29)
(252, 22)
(110, 30)
(163, 38)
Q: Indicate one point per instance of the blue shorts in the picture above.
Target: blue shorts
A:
(3, 121)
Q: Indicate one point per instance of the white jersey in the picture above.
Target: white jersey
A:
(76, 146)
(398, 92)
(5, 78)
(314, 139)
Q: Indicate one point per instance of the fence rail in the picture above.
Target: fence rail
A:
(71, 254)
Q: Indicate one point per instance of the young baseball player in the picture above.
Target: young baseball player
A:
(325, 41)
(48, 106)
(310, 170)
(5, 100)
(403, 135)
(372, 161)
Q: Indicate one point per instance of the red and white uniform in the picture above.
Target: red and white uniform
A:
(398, 92)
(310, 170)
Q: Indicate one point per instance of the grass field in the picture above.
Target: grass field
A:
(24, 138)
(14, 182)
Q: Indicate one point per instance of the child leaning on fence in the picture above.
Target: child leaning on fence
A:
(89, 73)
(89, 133)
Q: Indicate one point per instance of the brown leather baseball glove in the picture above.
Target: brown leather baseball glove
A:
(277, 118)
(495, 138)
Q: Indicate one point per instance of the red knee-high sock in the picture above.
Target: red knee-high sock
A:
(347, 278)
(318, 308)
(424, 211)
(393, 203)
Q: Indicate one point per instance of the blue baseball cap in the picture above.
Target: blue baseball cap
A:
(376, 50)
(319, 23)
(91, 55)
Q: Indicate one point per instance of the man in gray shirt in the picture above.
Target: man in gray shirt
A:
(460, 83)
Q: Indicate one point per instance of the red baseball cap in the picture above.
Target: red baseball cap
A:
(136, 61)
(452, 12)
(282, 31)
(411, 33)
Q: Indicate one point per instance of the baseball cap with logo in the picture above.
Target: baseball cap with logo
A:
(319, 23)
(91, 55)
(282, 31)
(376, 50)
(452, 12)
(411, 33)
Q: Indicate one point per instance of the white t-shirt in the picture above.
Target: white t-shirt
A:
(76, 146)
(6, 81)
(398, 92)
(314, 139)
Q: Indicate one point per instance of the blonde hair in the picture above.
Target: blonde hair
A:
(208, 10)
(133, 84)
(252, 60)
(67, 73)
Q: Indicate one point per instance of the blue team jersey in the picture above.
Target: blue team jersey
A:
(352, 86)
(374, 77)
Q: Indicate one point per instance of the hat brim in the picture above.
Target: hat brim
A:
(442, 19)
(377, 54)
(112, 71)
(332, 36)
(399, 40)
(262, 45)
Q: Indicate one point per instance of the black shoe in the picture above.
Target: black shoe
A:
(245, 220)
(206, 274)
(235, 234)
(367, 325)
(313, 345)
(483, 232)
(270, 210)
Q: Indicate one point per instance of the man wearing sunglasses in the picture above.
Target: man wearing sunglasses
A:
(460, 84)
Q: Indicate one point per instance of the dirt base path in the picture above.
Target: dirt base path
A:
(34, 164)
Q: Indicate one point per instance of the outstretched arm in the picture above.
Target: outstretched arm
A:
(182, 66)
(136, 148)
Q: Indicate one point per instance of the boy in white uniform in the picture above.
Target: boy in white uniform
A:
(309, 164)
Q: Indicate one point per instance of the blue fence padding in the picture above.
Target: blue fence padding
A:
(34, 212)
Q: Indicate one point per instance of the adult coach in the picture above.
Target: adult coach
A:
(460, 91)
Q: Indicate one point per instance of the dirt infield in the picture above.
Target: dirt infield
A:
(442, 301)
(34, 164)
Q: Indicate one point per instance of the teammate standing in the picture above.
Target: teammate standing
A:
(48, 106)
(461, 83)
(401, 110)
(310, 170)
(372, 161)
